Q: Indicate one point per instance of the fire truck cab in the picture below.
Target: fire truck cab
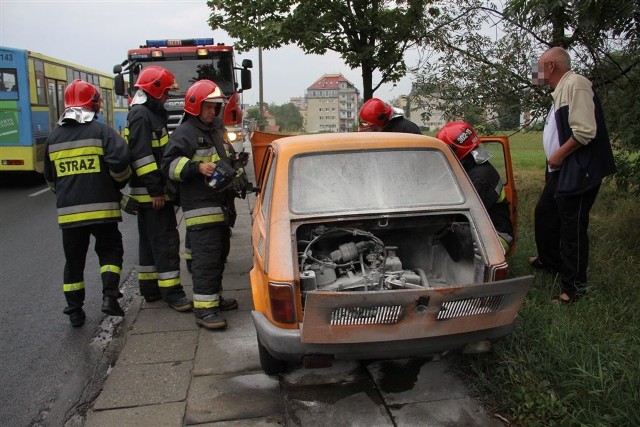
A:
(190, 60)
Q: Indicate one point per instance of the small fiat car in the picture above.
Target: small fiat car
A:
(374, 245)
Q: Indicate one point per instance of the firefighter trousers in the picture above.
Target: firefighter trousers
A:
(209, 249)
(108, 247)
(159, 258)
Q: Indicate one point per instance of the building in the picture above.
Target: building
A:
(332, 105)
(426, 113)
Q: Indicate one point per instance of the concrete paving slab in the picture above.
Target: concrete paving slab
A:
(341, 404)
(168, 320)
(243, 295)
(222, 354)
(239, 324)
(218, 398)
(415, 380)
(452, 412)
(235, 281)
(166, 415)
(139, 385)
(251, 422)
(341, 371)
(160, 347)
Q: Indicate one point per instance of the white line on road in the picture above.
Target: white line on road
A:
(37, 193)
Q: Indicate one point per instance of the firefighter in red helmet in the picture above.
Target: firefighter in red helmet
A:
(198, 159)
(86, 163)
(159, 240)
(376, 115)
(465, 143)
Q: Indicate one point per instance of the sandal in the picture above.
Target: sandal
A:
(535, 262)
(562, 299)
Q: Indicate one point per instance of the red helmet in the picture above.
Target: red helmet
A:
(156, 80)
(374, 112)
(200, 91)
(82, 94)
(460, 136)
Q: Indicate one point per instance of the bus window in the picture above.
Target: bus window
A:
(8, 80)
(107, 108)
(41, 89)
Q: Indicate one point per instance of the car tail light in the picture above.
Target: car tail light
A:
(281, 298)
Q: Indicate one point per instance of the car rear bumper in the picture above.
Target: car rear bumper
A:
(286, 344)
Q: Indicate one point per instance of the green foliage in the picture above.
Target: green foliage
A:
(464, 63)
(287, 116)
(372, 35)
(253, 113)
(574, 365)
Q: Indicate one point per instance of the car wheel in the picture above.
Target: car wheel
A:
(270, 365)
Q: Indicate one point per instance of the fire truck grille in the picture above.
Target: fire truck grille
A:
(381, 315)
(470, 307)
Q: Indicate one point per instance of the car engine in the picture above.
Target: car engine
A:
(351, 259)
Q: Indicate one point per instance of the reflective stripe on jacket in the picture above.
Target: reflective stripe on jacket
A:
(85, 165)
(190, 144)
(147, 136)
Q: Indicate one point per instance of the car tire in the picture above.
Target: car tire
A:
(269, 364)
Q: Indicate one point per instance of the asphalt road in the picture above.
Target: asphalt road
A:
(46, 364)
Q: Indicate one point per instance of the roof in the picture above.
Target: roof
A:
(329, 81)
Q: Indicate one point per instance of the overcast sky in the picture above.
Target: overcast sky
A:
(98, 33)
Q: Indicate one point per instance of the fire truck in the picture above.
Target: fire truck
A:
(190, 60)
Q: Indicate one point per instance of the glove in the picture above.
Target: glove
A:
(240, 159)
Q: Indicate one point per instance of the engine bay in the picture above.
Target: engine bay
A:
(388, 254)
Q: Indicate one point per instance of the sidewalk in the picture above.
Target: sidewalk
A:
(172, 373)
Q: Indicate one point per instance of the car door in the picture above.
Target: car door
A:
(501, 160)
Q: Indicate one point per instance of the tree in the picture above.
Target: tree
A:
(479, 54)
(370, 34)
(253, 113)
(287, 116)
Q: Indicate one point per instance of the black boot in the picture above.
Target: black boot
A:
(227, 304)
(77, 318)
(210, 319)
(111, 307)
(181, 304)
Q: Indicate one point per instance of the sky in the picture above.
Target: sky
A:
(98, 33)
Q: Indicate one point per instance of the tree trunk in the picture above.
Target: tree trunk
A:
(367, 82)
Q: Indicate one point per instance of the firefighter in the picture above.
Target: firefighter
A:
(378, 116)
(86, 164)
(197, 158)
(147, 135)
(465, 143)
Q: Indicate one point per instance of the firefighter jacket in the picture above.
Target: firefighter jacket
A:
(488, 184)
(400, 124)
(578, 113)
(147, 136)
(86, 164)
(190, 144)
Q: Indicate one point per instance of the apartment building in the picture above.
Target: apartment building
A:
(332, 104)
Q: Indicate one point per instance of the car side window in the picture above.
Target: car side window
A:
(267, 183)
(497, 159)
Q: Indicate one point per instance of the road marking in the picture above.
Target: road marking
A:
(37, 193)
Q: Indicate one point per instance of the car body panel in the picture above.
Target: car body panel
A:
(488, 308)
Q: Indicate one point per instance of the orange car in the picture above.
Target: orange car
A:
(374, 245)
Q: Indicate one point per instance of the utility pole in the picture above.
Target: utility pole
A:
(261, 122)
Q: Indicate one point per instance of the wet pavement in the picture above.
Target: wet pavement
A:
(170, 372)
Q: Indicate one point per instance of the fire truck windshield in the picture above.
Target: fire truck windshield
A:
(188, 71)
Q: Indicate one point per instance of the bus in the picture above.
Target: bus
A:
(190, 60)
(32, 89)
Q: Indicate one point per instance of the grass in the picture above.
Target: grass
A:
(575, 365)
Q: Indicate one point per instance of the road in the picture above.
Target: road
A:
(47, 365)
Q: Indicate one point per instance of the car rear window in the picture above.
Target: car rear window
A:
(383, 179)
